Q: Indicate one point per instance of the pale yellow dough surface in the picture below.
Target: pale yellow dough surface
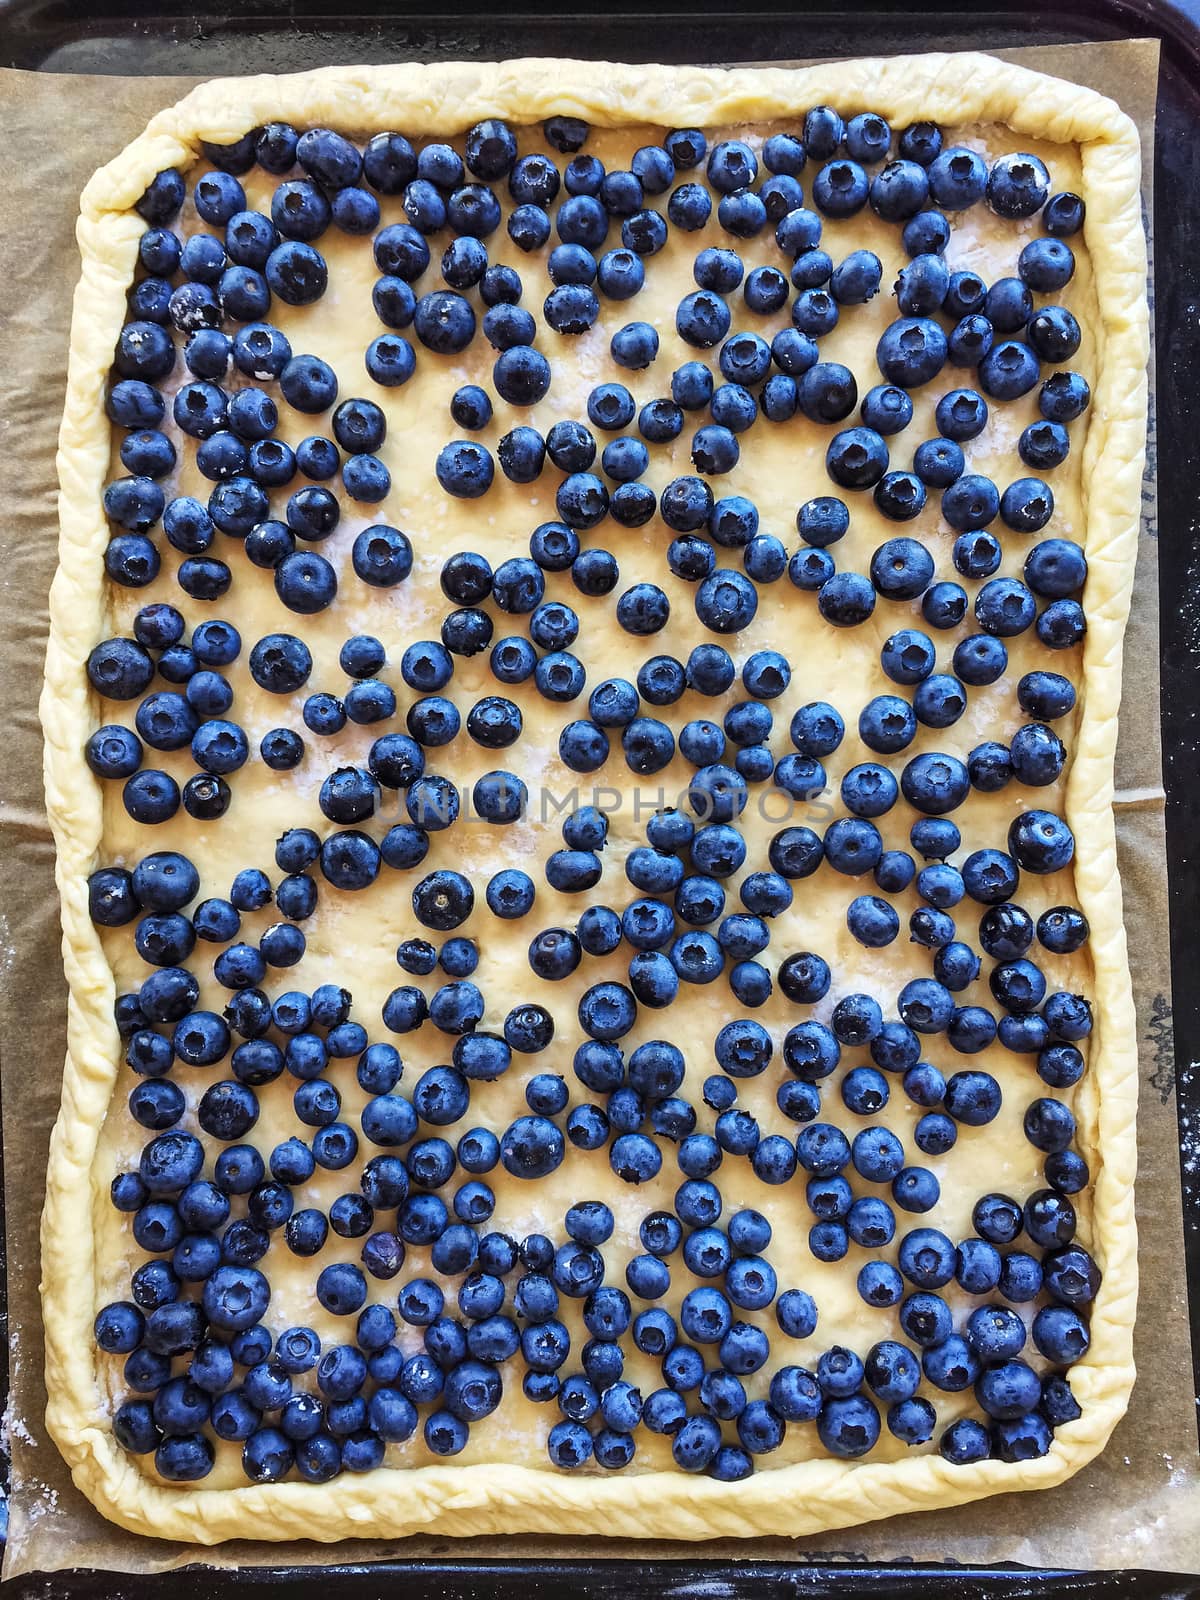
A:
(503, 1482)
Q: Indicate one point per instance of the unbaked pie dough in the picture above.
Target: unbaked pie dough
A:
(504, 1482)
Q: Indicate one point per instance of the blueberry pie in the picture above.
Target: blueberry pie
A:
(580, 715)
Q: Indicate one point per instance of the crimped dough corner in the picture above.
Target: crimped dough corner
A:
(442, 99)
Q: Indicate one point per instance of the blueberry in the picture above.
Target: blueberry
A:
(308, 384)
(1017, 185)
(911, 351)
(1063, 214)
(296, 273)
(846, 599)
(978, 1266)
(848, 1427)
(922, 286)
(390, 361)
(465, 260)
(939, 701)
(856, 458)
(1049, 1126)
(471, 407)
(964, 1441)
(965, 294)
(1062, 929)
(1009, 370)
(856, 279)
(1008, 305)
(868, 138)
(1027, 505)
(702, 319)
(815, 310)
(937, 463)
(840, 188)
(957, 178)
(1041, 841)
(928, 233)
(1071, 1276)
(444, 322)
(925, 1318)
(901, 569)
(1055, 568)
(1060, 626)
(151, 796)
(132, 403)
(571, 264)
(571, 309)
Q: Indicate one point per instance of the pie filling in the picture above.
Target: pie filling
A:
(595, 623)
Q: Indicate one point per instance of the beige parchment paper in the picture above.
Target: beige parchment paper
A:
(1137, 1506)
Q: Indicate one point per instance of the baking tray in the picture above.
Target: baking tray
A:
(168, 36)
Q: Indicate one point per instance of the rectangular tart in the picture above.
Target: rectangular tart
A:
(887, 1102)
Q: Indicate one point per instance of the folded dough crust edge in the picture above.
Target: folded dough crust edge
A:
(442, 99)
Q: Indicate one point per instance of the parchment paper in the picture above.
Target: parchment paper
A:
(1137, 1506)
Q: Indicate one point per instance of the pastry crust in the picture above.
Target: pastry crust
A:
(443, 99)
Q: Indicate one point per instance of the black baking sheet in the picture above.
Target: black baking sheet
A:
(148, 38)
